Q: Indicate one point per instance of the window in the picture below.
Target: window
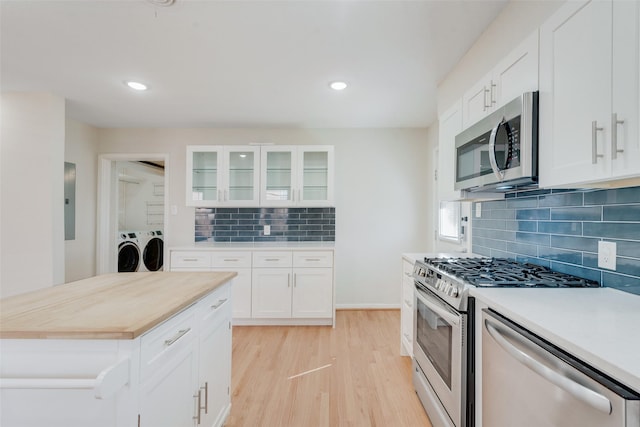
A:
(449, 221)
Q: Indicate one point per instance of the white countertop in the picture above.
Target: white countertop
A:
(256, 245)
(600, 326)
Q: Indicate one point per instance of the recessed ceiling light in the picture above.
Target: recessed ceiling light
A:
(338, 85)
(136, 85)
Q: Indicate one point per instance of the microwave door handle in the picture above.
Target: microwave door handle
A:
(580, 392)
(492, 151)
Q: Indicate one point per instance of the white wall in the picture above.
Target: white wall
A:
(381, 198)
(81, 148)
(134, 196)
(32, 194)
(517, 20)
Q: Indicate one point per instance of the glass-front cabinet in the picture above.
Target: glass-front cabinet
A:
(297, 176)
(223, 175)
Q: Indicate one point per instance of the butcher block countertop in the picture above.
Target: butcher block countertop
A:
(110, 306)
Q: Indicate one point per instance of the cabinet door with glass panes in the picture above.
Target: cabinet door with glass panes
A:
(222, 175)
(297, 176)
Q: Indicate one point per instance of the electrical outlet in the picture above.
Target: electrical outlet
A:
(266, 230)
(478, 210)
(607, 255)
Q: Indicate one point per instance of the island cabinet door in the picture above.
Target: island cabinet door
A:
(169, 363)
(214, 371)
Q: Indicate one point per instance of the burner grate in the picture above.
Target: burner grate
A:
(493, 272)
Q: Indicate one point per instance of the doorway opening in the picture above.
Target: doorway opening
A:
(132, 212)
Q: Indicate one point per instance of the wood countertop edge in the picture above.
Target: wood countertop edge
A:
(112, 334)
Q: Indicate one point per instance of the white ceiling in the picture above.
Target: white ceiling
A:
(240, 63)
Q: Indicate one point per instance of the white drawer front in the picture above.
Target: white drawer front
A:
(407, 267)
(216, 302)
(272, 259)
(195, 259)
(165, 340)
(231, 259)
(313, 259)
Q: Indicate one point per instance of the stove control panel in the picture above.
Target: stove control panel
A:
(446, 287)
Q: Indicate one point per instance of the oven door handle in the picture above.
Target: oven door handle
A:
(440, 311)
(580, 392)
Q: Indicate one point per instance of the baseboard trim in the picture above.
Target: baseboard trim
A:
(367, 306)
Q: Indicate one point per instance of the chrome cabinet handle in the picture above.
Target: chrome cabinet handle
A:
(491, 100)
(594, 142)
(231, 260)
(272, 259)
(219, 303)
(580, 392)
(206, 397)
(198, 398)
(614, 136)
(485, 104)
(288, 280)
(176, 337)
(313, 259)
(226, 195)
(295, 284)
(190, 259)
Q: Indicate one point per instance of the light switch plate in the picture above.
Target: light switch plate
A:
(607, 255)
(266, 230)
(478, 210)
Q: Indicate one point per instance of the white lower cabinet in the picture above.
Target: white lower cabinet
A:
(272, 286)
(406, 309)
(312, 294)
(214, 368)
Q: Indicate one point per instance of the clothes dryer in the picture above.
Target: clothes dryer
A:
(129, 257)
(152, 250)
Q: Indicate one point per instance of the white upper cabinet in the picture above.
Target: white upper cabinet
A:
(297, 176)
(450, 124)
(589, 96)
(515, 74)
(223, 175)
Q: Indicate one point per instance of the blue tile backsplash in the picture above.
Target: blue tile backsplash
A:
(247, 224)
(560, 229)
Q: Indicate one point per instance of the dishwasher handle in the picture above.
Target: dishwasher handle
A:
(580, 392)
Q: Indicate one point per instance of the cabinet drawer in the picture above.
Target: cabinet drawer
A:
(231, 259)
(272, 259)
(167, 340)
(313, 259)
(407, 268)
(216, 303)
(200, 260)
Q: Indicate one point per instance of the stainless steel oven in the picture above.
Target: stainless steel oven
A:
(443, 346)
(440, 351)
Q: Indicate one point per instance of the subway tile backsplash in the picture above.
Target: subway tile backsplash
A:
(247, 224)
(561, 229)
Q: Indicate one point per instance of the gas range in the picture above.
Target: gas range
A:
(450, 278)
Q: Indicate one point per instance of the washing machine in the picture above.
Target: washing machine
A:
(129, 255)
(151, 249)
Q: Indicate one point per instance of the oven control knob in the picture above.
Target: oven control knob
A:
(453, 292)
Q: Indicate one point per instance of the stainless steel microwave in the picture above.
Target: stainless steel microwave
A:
(500, 152)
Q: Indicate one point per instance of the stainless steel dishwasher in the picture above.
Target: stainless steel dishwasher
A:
(527, 381)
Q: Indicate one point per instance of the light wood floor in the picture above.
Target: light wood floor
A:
(312, 376)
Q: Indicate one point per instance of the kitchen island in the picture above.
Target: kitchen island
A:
(127, 349)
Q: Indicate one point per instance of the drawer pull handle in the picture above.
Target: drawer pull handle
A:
(176, 337)
(189, 259)
(272, 259)
(231, 260)
(408, 302)
(312, 259)
(219, 303)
